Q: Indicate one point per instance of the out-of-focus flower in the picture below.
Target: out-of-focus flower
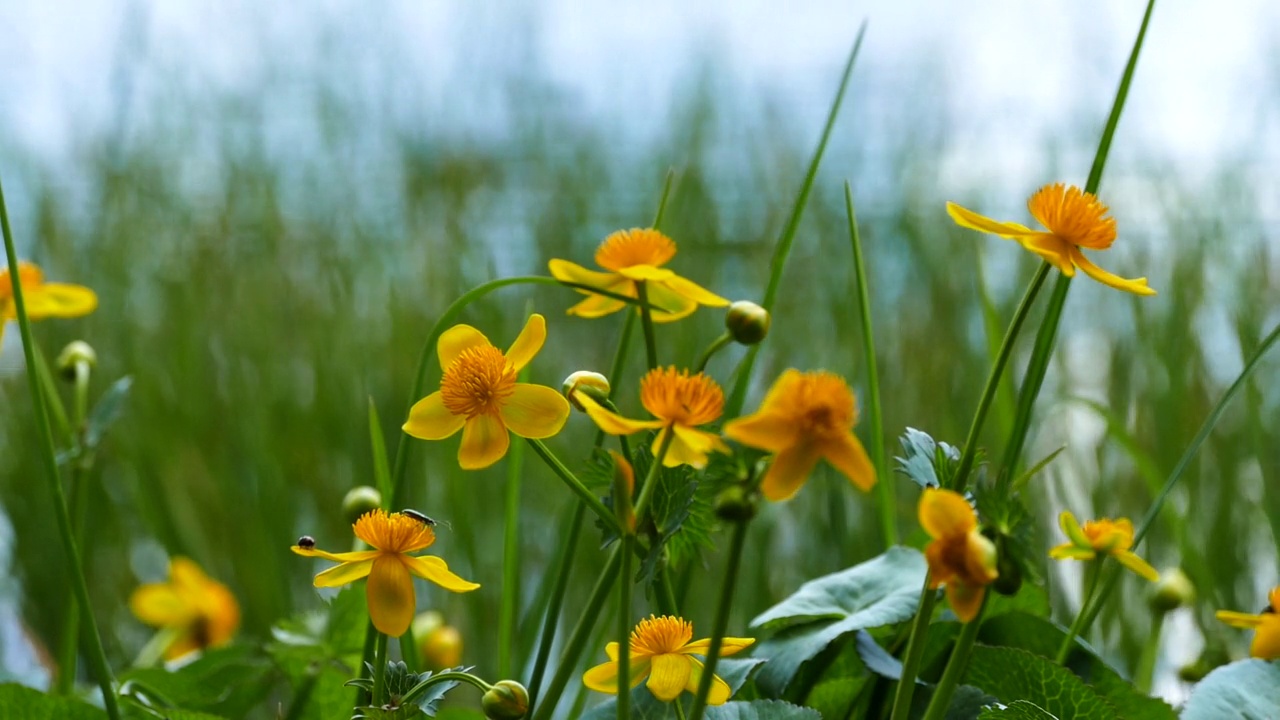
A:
(1265, 626)
(1105, 537)
(43, 299)
(959, 557)
(201, 612)
(439, 644)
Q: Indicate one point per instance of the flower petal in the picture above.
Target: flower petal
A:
(390, 595)
(348, 572)
(455, 340)
(157, 604)
(848, 456)
(691, 446)
(1266, 639)
(604, 678)
(720, 690)
(596, 306)
(945, 513)
(336, 557)
(611, 422)
(528, 343)
(566, 271)
(728, 646)
(668, 675)
(534, 411)
(429, 419)
(668, 306)
(1067, 521)
(1067, 551)
(1137, 286)
(484, 442)
(60, 300)
(430, 567)
(611, 649)
(965, 600)
(940, 571)
(1230, 617)
(646, 273)
(1053, 249)
(766, 430)
(694, 292)
(1130, 560)
(788, 471)
(972, 220)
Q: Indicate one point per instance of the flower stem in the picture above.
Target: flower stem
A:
(956, 666)
(1094, 572)
(646, 320)
(625, 543)
(552, 619)
(679, 706)
(97, 657)
(80, 468)
(915, 652)
(380, 670)
(736, 544)
(716, 346)
(574, 484)
(510, 562)
(1150, 650)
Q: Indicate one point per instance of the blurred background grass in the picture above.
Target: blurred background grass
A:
(271, 253)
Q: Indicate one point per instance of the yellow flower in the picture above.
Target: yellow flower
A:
(1105, 536)
(479, 395)
(388, 566)
(1265, 626)
(1073, 219)
(635, 256)
(201, 612)
(661, 650)
(805, 417)
(959, 556)
(681, 402)
(43, 300)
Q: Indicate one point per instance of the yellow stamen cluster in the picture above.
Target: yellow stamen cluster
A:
(394, 532)
(477, 382)
(1075, 216)
(637, 246)
(660, 635)
(676, 396)
(828, 404)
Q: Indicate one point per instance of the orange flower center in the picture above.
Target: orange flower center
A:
(1107, 536)
(637, 246)
(660, 635)
(393, 533)
(680, 398)
(1074, 216)
(477, 382)
(30, 275)
(826, 404)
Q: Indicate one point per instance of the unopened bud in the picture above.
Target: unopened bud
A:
(506, 700)
(72, 355)
(595, 385)
(360, 500)
(747, 322)
(624, 485)
(736, 504)
(440, 645)
(1009, 579)
(1173, 590)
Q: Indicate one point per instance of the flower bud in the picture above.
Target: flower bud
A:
(595, 385)
(736, 504)
(1009, 579)
(72, 355)
(747, 322)
(506, 700)
(360, 500)
(439, 645)
(1172, 591)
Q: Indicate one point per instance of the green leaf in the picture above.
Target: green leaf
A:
(834, 697)
(1016, 710)
(881, 591)
(227, 681)
(966, 703)
(761, 710)
(923, 458)
(18, 702)
(1245, 689)
(106, 411)
(644, 706)
(1011, 674)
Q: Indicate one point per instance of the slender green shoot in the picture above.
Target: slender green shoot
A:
(510, 611)
(956, 665)
(915, 653)
(574, 484)
(1094, 571)
(736, 544)
(646, 322)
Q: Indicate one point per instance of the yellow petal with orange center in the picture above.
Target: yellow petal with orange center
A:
(390, 595)
(345, 573)
(429, 567)
(455, 340)
(60, 300)
(534, 411)
(720, 690)
(945, 513)
(528, 343)
(967, 218)
(1137, 286)
(429, 419)
(965, 600)
(484, 442)
(789, 471)
(847, 455)
(668, 676)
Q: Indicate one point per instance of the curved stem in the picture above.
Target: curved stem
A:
(438, 678)
(574, 484)
(1095, 572)
(956, 666)
(715, 347)
(722, 618)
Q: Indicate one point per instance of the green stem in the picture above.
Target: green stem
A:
(75, 568)
(302, 696)
(888, 502)
(69, 651)
(438, 678)
(667, 604)
(679, 709)
(564, 567)
(510, 563)
(624, 626)
(1150, 650)
(575, 484)
(915, 652)
(651, 478)
(736, 544)
(380, 670)
(1094, 572)
(646, 320)
(715, 347)
(956, 666)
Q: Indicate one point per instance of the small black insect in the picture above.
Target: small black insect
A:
(306, 542)
(419, 517)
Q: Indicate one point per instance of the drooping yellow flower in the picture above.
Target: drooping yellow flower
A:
(661, 650)
(43, 300)
(805, 417)
(959, 557)
(1073, 219)
(389, 567)
(1106, 537)
(200, 612)
(681, 402)
(635, 256)
(1265, 626)
(479, 395)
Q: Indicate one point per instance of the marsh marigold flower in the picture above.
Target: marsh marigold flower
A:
(1101, 537)
(661, 651)
(632, 257)
(200, 612)
(1265, 626)
(680, 402)
(43, 300)
(479, 395)
(959, 557)
(1073, 219)
(805, 417)
(389, 567)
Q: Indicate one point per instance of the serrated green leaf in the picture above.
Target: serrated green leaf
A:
(761, 710)
(1011, 674)
(881, 591)
(1244, 689)
(1016, 710)
(227, 681)
(920, 455)
(106, 411)
(644, 706)
(18, 702)
(966, 703)
(834, 697)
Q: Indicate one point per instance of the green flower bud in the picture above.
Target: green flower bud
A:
(360, 500)
(506, 700)
(72, 355)
(747, 322)
(1172, 591)
(736, 504)
(595, 385)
